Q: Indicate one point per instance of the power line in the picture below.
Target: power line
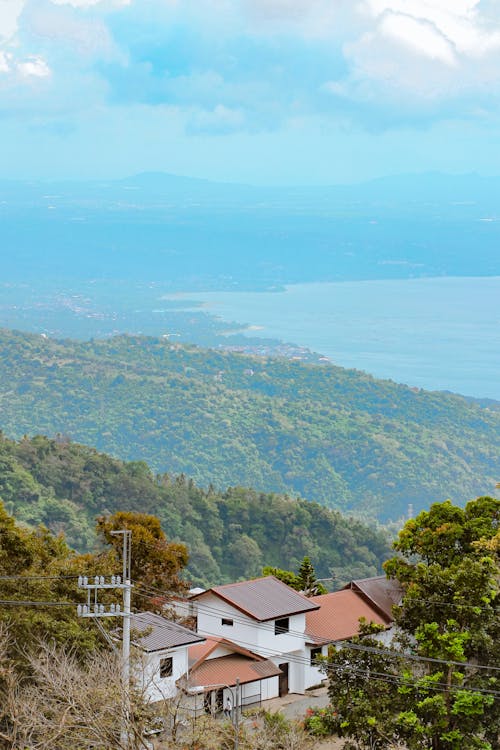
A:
(211, 610)
(37, 578)
(21, 603)
(368, 674)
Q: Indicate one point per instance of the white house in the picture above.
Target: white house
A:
(261, 633)
(269, 618)
(265, 616)
(163, 647)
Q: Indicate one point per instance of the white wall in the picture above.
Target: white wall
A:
(313, 675)
(211, 611)
(283, 643)
(256, 636)
(259, 637)
(386, 637)
(148, 673)
(270, 688)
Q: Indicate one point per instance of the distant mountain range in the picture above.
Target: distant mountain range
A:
(336, 436)
(199, 234)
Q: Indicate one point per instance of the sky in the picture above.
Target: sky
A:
(258, 91)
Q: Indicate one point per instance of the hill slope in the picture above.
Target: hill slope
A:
(336, 436)
(229, 535)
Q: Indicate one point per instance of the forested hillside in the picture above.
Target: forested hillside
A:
(229, 535)
(336, 436)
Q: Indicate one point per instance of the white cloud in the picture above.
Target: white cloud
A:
(311, 19)
(432, 56)
(61, 28)
(4, 62)
(220, 119)
(462, 22)
(421, 36)
(89, 3)
(10, 10)
(33, 67)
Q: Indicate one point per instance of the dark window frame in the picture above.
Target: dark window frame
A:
(166, 667)
(281, 626)
(315, 652)
(226, 621)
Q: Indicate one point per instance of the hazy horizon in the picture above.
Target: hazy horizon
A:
(288, 92)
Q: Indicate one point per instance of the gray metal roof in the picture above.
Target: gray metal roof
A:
(263, 599)
(152, 632)
(383, 592)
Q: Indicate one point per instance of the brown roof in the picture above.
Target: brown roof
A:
(338, 616)
(383, 593)
(201, 651)
(262, 599)
(225, 670)
(159, 633)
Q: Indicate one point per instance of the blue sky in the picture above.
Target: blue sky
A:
(261, 91)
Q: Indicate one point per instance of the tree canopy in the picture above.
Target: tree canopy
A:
(442, 684)
(229, 534)
(304, 580)
(39, 572)
(338, 437)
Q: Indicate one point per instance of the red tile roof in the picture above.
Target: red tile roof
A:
(262, 599)
(225, 670)
(241, 664)
(338, 616)
(201, 651)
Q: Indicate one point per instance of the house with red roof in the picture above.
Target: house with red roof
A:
(337, 619)
(266, 617)
(272, 620)
(217, 666)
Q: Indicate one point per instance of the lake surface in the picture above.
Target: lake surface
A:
(436, 333)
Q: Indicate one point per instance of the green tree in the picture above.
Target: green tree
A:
(438, 691)
(38, 587)
(287, 576)
(307, 575)
(304, 580)
(157, 564)
(449, 612)
(363, 691)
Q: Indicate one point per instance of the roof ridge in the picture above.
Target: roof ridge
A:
(240, 583)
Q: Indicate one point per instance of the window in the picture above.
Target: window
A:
(166, 666)
(281, 626)
(227, 621)
(315, 652)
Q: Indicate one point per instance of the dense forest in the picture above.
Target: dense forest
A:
(233, 534)
(335, 436)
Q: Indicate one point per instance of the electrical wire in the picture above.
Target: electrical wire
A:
(368, 673)
(37, 578)
(145, 592)
(21, 603)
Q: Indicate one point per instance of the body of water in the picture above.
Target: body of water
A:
(436, 333)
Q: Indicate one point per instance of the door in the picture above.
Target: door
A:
(283, 678)
(218, 701)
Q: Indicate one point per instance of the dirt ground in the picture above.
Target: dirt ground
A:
(332, 743)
